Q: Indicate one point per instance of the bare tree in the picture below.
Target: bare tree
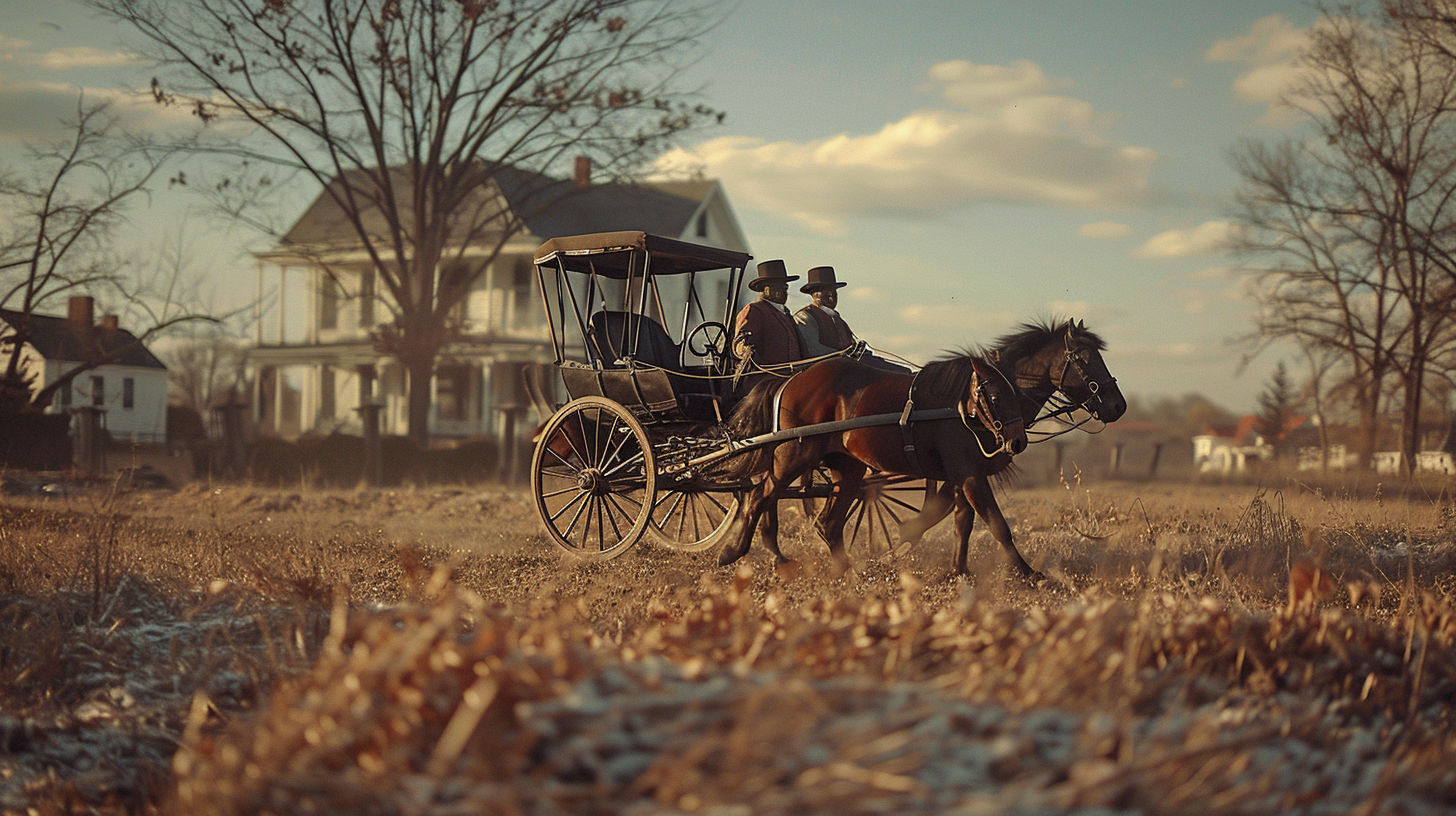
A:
(61, 216)
(1356, 216)
(413, 114)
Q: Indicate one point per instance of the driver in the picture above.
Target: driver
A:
(764, 334)
(823, 329)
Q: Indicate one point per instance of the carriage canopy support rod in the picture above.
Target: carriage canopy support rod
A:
(738, 446)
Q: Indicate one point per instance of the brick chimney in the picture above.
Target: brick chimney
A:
(81, 313)
(110, 322)
(583, 172)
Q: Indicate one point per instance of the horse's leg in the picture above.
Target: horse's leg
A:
(749, 511)
(939, 502)
(848, 484)
(965, 521)
(760, 508)
(792, 462)
(978, 492)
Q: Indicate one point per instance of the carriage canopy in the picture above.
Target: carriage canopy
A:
(620, 255)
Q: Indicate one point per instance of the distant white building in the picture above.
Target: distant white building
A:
(131, 387)
(314, 383)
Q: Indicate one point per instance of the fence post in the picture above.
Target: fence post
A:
(233, 434)
(373, 448)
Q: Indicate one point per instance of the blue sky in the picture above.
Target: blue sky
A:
(964, 165)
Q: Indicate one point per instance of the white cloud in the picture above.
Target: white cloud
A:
(1208, 237)
(1269, 40)
(1268, 50)
(869, 294)
(62, 59)
(1104, 230)
(1213, 274)
(9, 44)
(1002, 136)
(35, 110)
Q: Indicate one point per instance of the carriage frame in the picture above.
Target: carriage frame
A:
(629, 455)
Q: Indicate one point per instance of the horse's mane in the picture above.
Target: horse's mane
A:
(946, 379)
(1033, 335)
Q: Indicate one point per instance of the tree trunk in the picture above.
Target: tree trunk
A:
(421, 370)
(1369, 426)
(1410, 421)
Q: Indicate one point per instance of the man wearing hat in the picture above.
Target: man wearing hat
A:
(764, 334)
(823, 330)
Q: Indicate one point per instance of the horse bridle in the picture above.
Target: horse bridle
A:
(1071, 358)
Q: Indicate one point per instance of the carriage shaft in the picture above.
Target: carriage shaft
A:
(838, 426)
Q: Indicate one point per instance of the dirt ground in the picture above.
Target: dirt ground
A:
(1224, 649)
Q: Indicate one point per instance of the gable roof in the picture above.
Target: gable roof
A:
(549, 207)
(56, 338)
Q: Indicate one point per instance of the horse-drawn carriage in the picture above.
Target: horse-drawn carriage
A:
(644, 446)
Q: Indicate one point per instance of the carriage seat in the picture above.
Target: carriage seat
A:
(611, 333)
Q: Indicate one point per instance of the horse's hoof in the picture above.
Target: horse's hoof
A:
(732, 552)
(838, 566)
(787, 570)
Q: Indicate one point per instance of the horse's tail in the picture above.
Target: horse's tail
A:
(753, 415)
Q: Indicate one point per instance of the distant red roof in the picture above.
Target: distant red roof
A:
(1244, 433)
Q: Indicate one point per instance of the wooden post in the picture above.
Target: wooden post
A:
(373, 445)
(1157, 454)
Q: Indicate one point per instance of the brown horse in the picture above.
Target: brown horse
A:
(1042, 359)
(966, 448)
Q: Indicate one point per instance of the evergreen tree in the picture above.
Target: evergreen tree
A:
(1276, 408)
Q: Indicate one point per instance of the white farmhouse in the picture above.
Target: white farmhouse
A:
(317, 359)
(131, 386)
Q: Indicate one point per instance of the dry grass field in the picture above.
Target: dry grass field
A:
(1206, 649)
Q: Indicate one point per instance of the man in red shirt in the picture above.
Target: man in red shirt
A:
(764, 334)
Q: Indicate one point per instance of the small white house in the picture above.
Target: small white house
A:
(131, 386)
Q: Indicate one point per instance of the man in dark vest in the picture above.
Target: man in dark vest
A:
(823, 330)
(764, 334)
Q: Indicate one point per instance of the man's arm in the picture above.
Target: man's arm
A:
(743, 327)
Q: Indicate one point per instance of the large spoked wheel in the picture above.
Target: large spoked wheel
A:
(691, 520)
(875, 521)
(594, 476)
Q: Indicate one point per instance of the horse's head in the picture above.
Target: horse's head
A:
(993, 400)
(1083, 376)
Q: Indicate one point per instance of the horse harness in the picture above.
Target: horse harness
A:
(907, 417)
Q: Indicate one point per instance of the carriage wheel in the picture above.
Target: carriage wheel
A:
(872, 527)
(593, 475)
(691, 520)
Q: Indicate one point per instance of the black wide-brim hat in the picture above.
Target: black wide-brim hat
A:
(821, 277)
(771, 272)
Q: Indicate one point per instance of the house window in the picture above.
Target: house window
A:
(128, 393)
(702, 225)
(524, 309)
(98, 390)
(328, 302)
(452, 392)
(66, 395)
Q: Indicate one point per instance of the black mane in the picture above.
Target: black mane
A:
(1033, 336)
(945, 380)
